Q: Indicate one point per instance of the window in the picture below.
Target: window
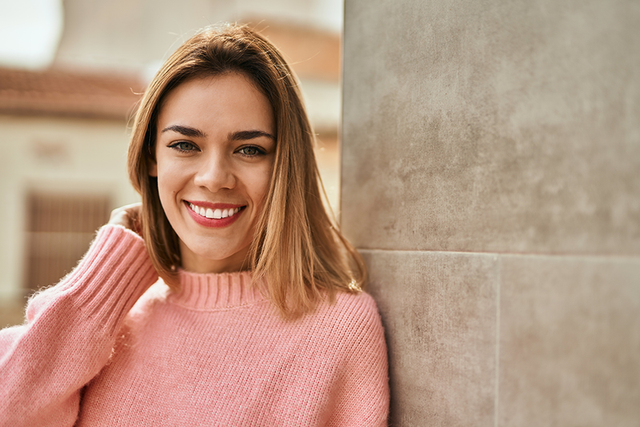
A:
(60, 228)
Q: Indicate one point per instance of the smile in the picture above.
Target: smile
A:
(214, 213)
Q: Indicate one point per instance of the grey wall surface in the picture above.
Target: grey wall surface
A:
(491, 178)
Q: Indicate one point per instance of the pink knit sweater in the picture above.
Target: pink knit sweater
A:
(106, 348)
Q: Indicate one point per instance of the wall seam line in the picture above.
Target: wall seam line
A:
(497, 365)
(621, 258)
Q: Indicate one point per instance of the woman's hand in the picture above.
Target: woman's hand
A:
(128, 216)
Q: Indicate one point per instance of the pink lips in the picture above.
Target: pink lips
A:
(212, 222)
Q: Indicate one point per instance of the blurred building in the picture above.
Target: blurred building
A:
(64, 138)
(64, 130)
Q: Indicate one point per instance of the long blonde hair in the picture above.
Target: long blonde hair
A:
(297, 247)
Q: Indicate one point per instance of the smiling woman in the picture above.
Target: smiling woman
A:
(228, 297)
(214, 158)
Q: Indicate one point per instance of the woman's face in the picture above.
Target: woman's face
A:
(215, 149)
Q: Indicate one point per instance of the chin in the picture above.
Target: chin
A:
(208, 257)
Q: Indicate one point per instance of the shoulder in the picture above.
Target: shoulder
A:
(141, 316)
(155, 296)
(360, 305)
(353, 316)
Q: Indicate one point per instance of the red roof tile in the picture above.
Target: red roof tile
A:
(68, 93)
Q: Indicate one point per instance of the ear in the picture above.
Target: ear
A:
(152, 167)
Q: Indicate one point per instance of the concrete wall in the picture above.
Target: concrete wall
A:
(491, 178)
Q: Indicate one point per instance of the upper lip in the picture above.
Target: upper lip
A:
(214, 205)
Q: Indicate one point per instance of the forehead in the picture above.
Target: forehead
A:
(226, 98)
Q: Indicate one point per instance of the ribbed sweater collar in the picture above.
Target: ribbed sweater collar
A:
(216, 291)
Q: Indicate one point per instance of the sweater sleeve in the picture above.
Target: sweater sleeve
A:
(70, 331)
(362, 397)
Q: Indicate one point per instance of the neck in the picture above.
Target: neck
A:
(195, 263)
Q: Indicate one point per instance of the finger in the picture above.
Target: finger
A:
(127, 216)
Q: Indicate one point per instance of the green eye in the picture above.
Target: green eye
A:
(251, 151)
(183, 146)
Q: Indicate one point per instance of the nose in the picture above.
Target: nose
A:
(215, 172)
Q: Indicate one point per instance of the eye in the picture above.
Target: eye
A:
(184, 146)
(251, 151)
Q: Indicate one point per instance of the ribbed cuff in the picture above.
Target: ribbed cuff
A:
(113, 274)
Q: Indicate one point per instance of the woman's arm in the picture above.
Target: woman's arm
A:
(70, 331)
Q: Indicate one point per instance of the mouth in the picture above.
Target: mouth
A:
(214, 213)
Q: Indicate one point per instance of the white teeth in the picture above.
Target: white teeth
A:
(215, 214)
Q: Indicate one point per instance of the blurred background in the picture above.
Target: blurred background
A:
(70, 74)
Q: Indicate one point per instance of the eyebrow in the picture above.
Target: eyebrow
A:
(186, 131)
(245, 135)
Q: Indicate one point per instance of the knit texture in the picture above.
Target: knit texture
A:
(106, 348)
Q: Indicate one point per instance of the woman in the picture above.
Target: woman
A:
(258, 318)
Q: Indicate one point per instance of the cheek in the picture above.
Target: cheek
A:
(170, 180)
(259, 185)
(162, 182)
(165, 199)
